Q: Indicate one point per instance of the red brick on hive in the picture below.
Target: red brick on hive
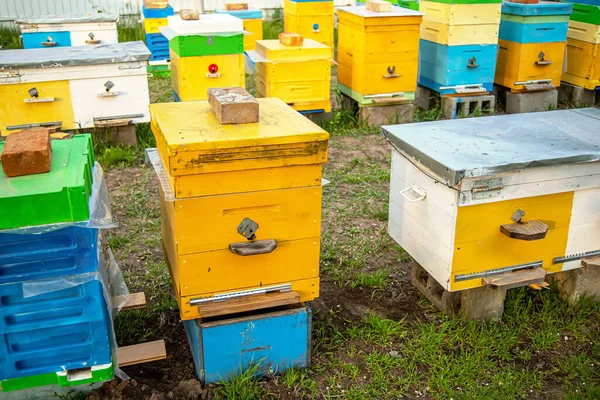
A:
(27, 152)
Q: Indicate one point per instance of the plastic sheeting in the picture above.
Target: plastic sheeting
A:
(69, 19)
(74, 56)
(99, 207)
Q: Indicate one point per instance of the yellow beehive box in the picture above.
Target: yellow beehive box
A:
(378, 51)
(254, 27)
(267, 172)
(152, 25)
(316, 27)
(193, 76)
(582, 64)
(295, 74)
(460, 14)
(584, 32)
(519, 64)
(309, 7)
(456, 35)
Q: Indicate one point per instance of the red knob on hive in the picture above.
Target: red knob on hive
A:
(213, 68)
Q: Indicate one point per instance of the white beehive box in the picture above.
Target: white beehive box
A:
(75, 87)
(69, 30)
(455, 182)
(206, 24)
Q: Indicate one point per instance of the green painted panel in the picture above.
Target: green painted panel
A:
(586, 13)
(60, 379)
(200, 45)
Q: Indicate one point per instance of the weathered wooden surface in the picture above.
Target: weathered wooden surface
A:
(250, 303)
(530, 230)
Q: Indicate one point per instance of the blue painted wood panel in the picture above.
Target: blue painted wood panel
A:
(533, 33)
(157, 12)
(242, 14)
(276, 340)
(589, 2)
(441, 65)
(35, 40)
(542, 8)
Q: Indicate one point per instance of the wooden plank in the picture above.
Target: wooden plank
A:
(250, 303)
(233, 105)
(535, 286)
(516, 278)
(379, 6)
(591, 262)
(136, 300)
(111, 123)
(142, 353)
(235, 6)
(291, 39)
(530, 230)
(189, 14)
(390, 100)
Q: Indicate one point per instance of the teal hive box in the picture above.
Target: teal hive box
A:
(61, 195)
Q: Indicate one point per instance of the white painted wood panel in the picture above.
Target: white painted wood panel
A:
(105, 36)
(87, 26)
(133, 98)
(81, 72)
(584, 231)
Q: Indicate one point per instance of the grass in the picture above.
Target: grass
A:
(274, 25)
(130, 30)
(10, 37)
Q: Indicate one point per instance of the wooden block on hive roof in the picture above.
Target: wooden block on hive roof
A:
(189, 15)
(525, 1)
(27, 152)
(233, 105)
(379, 6)
(236, 6)
(156, 3)
(291, 39)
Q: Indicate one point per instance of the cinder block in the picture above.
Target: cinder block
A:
(576, 283)
(517, 103)
(481, 303)
(375, 116)
(424, 97)
(464, 106)
(27, 152)
(233, 105)
(576, 95)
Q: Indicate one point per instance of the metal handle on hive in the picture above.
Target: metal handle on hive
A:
(49, 42)
(92, 39)
(417, 192)
(472, 63)
(541, 60)
(253, 248)
(391, 73)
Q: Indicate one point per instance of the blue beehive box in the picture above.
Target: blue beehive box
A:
(242, 14)
(66, 251)
(225, 347)
(157, 12)
(442, 68)
(60, 330)
(158, 45)
(34, 40)
(544, 22)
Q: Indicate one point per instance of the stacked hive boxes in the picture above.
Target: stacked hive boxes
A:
(241, 216)
(378, 51)
(154, 18)
(73, 87)
(583, 47)
(55, 321)
(459, 45)
(72, 30)
(205, 53)
(253, 26)
(532, 45)
(311, 19)
(298, 75)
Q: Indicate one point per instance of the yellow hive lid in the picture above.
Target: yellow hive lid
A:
(310, 50)
(362, 16)
(189, 136)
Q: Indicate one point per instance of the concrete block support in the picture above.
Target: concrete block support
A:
(517, 103)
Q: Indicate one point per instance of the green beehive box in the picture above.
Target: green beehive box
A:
(206, 45)
(410, 4)
(98, 373)
(61, 195)
(586, 13)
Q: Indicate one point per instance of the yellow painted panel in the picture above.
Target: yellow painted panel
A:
(371, 72)
(517, 63)
(480, 246)
(294, 92)
(344, 75)
(312, 105)
(454, 35)
(582, 64)
(460, 14)
(152, 25)
(190, 80)
(303, 25)
(251, 180)
(314, 70)
(584, 32)
(192, 141)
(307, 288)
(203, 224)
(254, 26)
(310, 50)
(14, 110)
(379, 39)
(376, 20)
(308, 8)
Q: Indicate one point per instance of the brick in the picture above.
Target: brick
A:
(236, 6)
(291, 39)
(27, 152)
(189, 15)
(379, 6)
(517, 103)
(233, 105)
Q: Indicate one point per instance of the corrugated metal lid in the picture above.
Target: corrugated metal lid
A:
(206, 24)
(69, 18)
(74, 56)
(460, 148)
(538, 9)
(362, 11)
(242, 14)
